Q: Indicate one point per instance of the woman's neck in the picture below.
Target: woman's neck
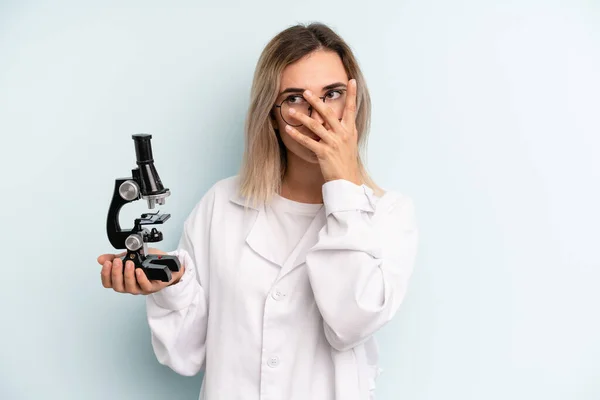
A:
(302, 182)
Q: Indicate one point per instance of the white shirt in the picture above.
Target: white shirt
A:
(288, 221)
(271, 314)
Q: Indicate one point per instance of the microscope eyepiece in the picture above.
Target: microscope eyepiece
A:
(143, 148)
(151, 186)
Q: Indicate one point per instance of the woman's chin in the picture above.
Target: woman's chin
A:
(312, 157)
(300, 152)
(309, 157)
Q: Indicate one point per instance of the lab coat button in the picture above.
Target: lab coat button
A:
(273, 362)
(277, 295)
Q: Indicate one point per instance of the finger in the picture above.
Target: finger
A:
(131, 285)
(304, 140)
(108, 257)
(313, 125)
(105, 274)
(117, 275)
(143, 281)
(104, 258)
(324, 110)
(349, 117)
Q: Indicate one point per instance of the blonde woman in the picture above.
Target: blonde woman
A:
(290, 267)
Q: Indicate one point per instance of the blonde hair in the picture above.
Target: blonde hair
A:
(264, 161)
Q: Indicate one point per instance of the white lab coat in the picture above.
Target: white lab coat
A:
(308, 333)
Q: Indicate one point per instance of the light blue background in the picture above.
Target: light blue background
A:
(486, 113)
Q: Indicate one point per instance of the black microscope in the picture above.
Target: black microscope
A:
(144, 183)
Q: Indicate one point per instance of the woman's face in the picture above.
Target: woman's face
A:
(321, 72)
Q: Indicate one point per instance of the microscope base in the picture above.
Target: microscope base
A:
(156, 267)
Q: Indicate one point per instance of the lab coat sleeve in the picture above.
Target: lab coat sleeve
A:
(178, 314)
(360, 267)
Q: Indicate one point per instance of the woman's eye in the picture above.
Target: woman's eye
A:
(295, 100)
(333, 94)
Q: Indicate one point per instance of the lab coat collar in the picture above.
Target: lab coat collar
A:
(240, 200)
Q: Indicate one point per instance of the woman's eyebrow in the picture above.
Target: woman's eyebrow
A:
(300, 90)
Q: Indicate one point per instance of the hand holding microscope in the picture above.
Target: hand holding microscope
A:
(144, 183)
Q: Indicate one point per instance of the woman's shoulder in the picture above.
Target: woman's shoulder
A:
(227, 186)
(221, 193)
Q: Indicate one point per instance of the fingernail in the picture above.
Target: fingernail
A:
(288, 128)
(292, 111)
(308, 93)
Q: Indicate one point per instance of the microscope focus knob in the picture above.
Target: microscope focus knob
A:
(134, 242)
(129, 190)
